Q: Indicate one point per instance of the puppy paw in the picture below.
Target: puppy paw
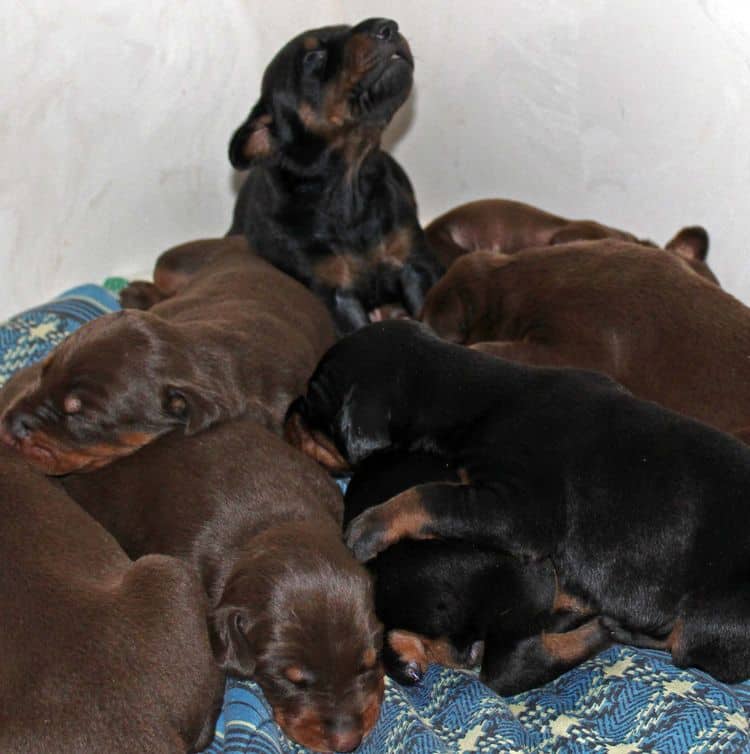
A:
(366, 536)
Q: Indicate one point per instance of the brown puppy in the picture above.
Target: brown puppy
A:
(639, 315)
(100, 654)
(291, 608)
(208, 350)
(507, 226)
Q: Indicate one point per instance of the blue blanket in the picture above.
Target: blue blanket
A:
(624, 701)
(29, 336)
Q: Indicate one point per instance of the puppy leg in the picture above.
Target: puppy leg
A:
(522, 522)
(512, 666)
(711, 633)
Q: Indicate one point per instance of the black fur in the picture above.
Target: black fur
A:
(322, 201)
(643, 512)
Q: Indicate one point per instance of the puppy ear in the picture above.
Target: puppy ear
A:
(364, 425)
(315, 444)
(253, 139)
(196, 408)
(690, 243)
(230, 628)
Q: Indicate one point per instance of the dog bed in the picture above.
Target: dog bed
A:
(624, 701)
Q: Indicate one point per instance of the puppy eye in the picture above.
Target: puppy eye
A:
(175, 403)
(314, 59)
(302, 679)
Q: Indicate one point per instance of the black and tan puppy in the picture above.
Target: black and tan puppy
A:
(641, 510)
(290, 606)
(208, 349)
(322, 200)
(451, 602)
(99, 654)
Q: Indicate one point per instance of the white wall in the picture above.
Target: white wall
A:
(117, 113)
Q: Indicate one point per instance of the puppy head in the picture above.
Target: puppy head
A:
(322, 88)
(458, 300)
(113, 386)
(306, 632)
(361, 396)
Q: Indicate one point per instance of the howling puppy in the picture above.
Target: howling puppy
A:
(322, 200)
(640, 510)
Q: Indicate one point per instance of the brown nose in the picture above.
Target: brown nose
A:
(344, 735)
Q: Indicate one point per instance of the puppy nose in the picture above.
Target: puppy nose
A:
(344, 734)
(385, 30)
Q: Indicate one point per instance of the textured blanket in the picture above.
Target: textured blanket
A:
(624, 701)
(29, 336)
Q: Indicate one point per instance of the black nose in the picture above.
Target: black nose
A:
(385, 30)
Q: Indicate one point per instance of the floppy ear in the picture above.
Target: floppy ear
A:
(253, 139)
(690, 243)
(315, 444)
(194, 407)
(230, 628)
(364, 425)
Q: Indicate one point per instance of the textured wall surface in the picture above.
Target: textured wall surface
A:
(116, 117)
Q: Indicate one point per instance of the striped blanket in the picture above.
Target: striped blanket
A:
(622, 702)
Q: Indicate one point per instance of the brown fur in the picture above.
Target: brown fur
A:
(507, 226)
(262, 524)
(208, 351)
(639, 315)
(99, 654)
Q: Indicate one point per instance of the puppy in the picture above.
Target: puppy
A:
(637, 507)
(322, 200)
(448, 602)
(208, 350)
(639, 315)
(506, 226)
(290, 607)
(99, 654)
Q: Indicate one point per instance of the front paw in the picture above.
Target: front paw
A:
(367, 535)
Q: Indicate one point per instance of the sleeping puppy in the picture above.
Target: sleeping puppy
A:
(636, 506)
(206, 351)
(100, 654)
(641, 316)
(447, 601)
(506, 226)
(322, 200)
(290, 607)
